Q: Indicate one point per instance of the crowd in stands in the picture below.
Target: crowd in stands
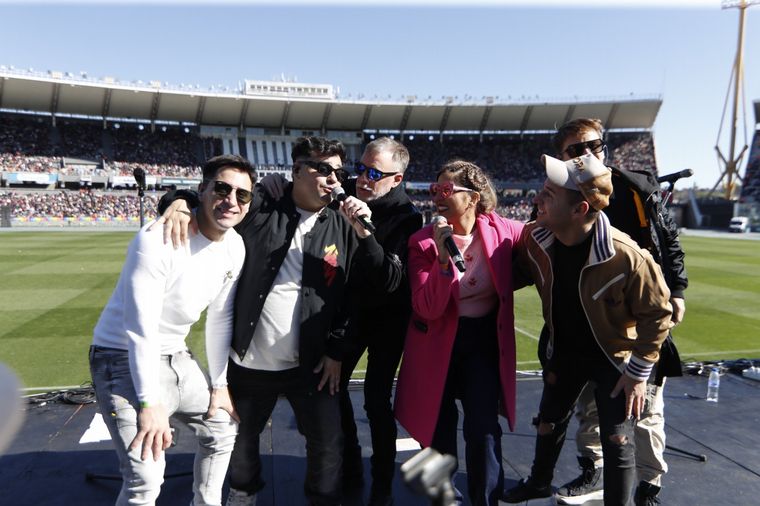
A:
(31, 143)
(173, 146)
(74, 204)
(513, 157)
(13, 162)
(632, 151)
(518, 209)
(155, 169)
(77, 139)
(29, 135)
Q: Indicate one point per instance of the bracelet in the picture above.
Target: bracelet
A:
(144, 404)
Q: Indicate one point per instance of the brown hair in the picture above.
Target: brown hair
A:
(576, 128)
(471, 176)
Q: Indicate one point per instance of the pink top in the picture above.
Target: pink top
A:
(477, 293)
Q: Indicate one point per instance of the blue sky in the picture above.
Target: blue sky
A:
(486, 48)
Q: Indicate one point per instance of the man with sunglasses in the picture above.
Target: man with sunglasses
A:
(380, 291)
(141, 368)
(382, 307)
(291, 319)
(635, 208)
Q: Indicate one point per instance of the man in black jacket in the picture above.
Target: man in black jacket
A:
(291, 320)
(636, 209)
(380, 290)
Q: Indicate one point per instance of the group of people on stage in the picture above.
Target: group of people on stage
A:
(300, 278)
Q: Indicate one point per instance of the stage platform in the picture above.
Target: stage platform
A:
(47, 464)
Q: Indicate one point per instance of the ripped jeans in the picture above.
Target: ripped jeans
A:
(185, 395)
(564, 379)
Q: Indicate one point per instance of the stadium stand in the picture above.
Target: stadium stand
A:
(94, 157)
(63, 204)
(751, 184)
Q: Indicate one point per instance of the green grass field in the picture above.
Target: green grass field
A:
(53, 286)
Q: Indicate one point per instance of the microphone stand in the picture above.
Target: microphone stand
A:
(141, 197)
(139, 175)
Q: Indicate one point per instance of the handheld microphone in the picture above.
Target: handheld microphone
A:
(451, 247)
(672, 178)
(339, 194)
(139, 175)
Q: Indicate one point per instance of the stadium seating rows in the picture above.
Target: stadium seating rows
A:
(31, 143)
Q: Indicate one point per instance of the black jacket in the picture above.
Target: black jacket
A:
(329, 249)
(636, 209)
(380, 286)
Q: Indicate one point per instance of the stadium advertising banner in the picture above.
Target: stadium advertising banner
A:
(130, 180)
(180, 181)
(31, 177)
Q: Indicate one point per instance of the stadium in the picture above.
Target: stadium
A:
(69, 148)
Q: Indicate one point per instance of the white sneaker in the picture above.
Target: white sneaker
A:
(240, 498)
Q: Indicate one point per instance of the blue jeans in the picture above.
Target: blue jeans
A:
(473, 377)
(317, 414)
(185, 395)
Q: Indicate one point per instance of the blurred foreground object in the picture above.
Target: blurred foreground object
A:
(11, 407)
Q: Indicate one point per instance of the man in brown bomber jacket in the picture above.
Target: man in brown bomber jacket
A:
(607, 308)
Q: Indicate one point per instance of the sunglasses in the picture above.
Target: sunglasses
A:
(579, 148)
(373, 174)
(447, 189)
(222, 190)
(325, 169)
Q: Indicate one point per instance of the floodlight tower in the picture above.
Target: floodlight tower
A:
(730, 165)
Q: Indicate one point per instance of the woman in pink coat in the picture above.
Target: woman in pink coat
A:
(460, 343)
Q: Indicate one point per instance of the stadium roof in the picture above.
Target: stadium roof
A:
(59, 94)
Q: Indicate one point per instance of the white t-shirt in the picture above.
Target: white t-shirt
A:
(274, 346)
(161, 293)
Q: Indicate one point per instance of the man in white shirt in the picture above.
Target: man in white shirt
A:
(141, 367)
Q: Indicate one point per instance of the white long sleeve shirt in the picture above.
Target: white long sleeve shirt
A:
(161, 293)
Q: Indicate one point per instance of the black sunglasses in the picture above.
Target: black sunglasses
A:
(373, 174)
(222, 190)
(579, 148)
(325, 169)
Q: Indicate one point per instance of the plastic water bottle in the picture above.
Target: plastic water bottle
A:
(713, 383)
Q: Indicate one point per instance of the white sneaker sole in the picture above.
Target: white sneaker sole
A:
(580, 499)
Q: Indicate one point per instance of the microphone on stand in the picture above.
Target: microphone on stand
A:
(451, 246)
(339, 194)
(672, 178)
(139, 175)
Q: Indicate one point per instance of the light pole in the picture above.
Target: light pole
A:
(731, 164)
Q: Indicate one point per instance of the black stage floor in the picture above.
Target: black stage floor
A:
(48, 465)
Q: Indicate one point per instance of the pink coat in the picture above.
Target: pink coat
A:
(433, 325)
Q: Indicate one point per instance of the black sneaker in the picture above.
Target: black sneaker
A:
(646, 494)
(526, 490)
(586, 487)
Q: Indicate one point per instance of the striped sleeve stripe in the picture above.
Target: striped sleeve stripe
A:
(638, 368)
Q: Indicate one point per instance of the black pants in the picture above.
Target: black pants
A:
(383, 356)
(473, 377)
(564, 378)
(318, 419)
